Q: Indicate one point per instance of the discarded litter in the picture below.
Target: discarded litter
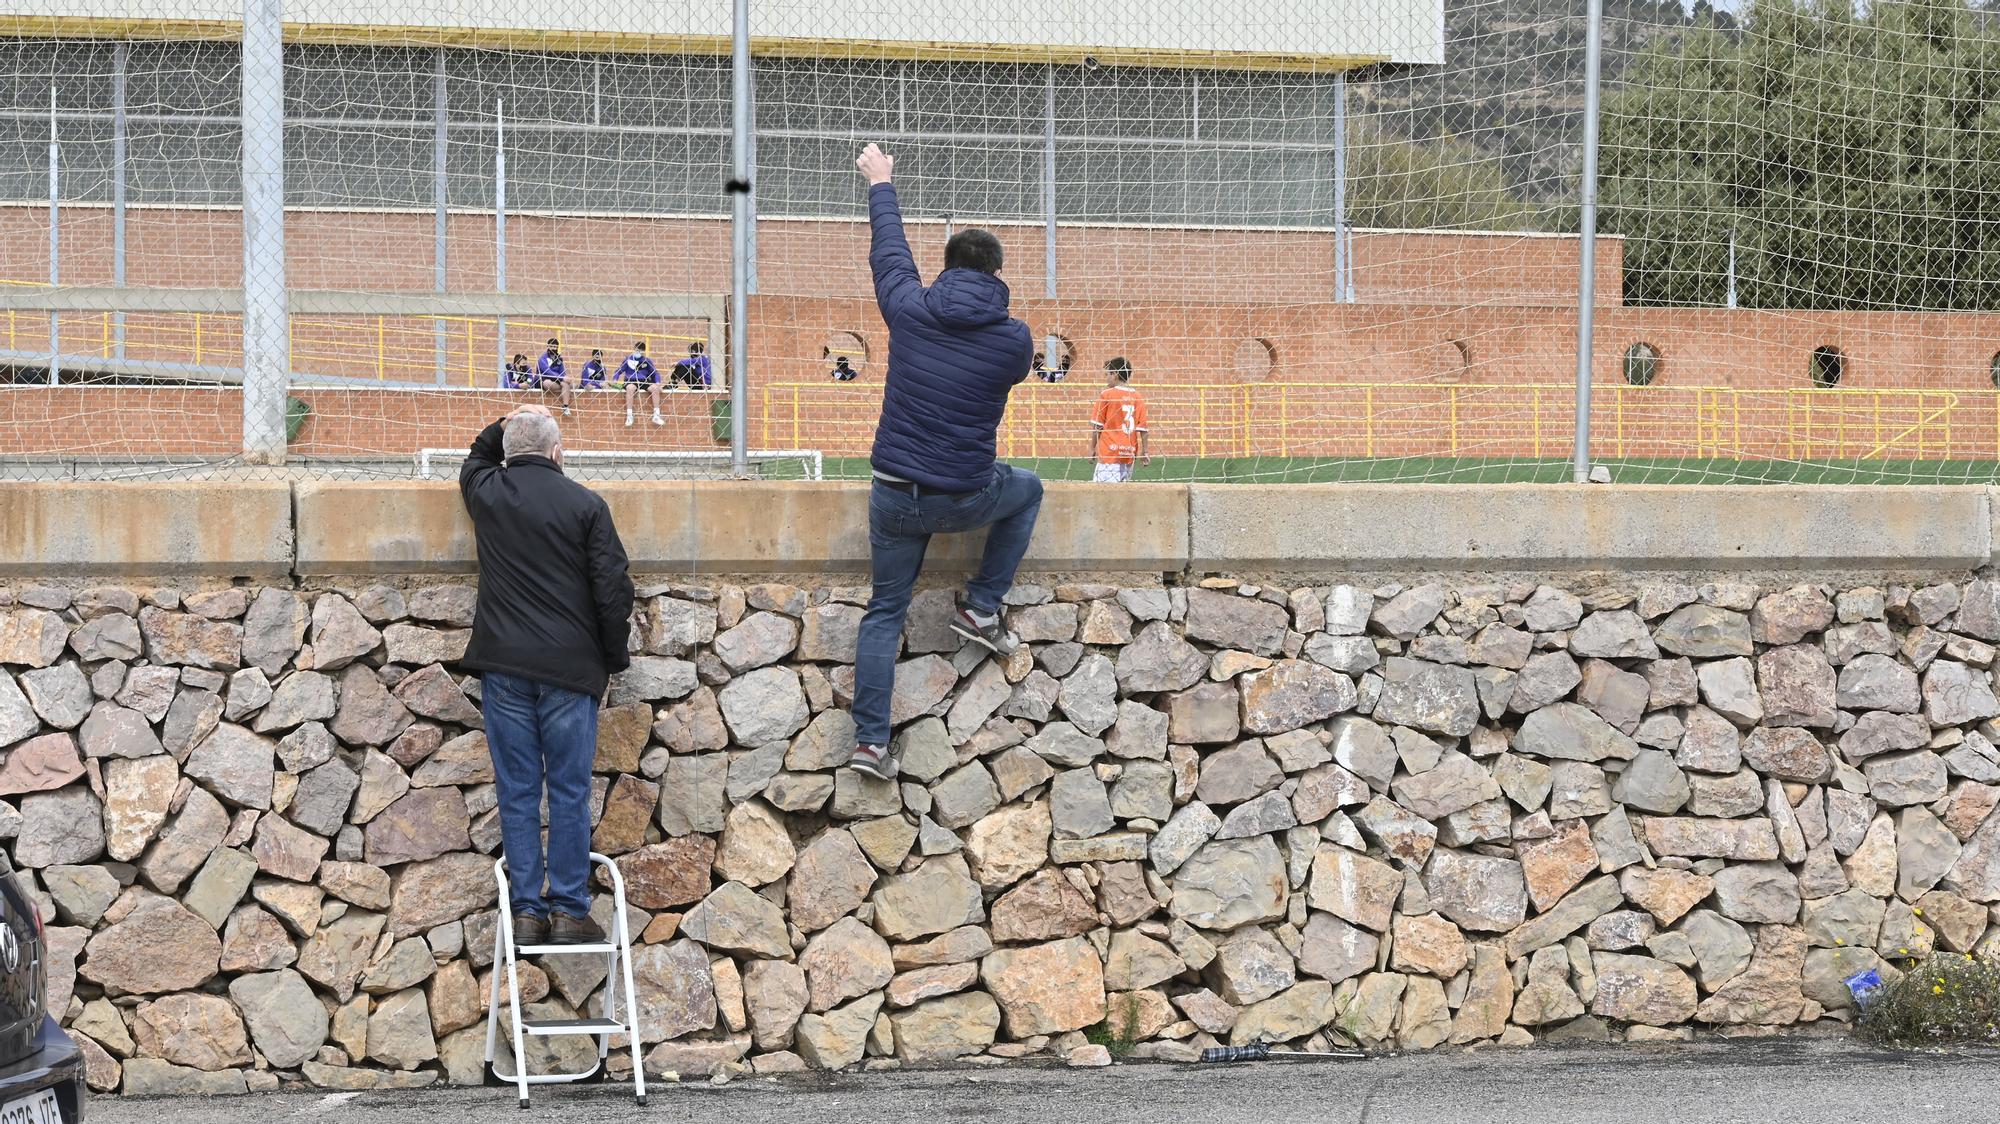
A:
(1863, 986)
(1260, 1051)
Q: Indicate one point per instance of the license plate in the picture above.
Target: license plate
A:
(38, 1108)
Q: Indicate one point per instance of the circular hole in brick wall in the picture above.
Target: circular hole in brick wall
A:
(1255, 360)
(1642, 364)
(1450, 361)
(1055, 357)
(1827, 367)
(844, 345)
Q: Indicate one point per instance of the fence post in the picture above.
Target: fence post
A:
(738, 188)
(55, 243)
(1343, 260)
(1729, 298)
(500, 229)
(1587, 263)
(121, 54)
(439, 229)
(266, 327)
(1049, 188)
(750, 254)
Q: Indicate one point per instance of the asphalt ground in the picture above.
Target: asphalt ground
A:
(1773, 1081)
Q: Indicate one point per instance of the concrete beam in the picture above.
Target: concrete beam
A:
(247, 528)
(720, 527)
(55, 530)
(1535, 527)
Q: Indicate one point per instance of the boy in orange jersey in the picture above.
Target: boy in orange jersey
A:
(1118, 426)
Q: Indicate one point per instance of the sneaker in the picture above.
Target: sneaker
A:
(628, 417)
(658, 420)
(878, 761)
(983, 628)
(564, 929)
(529, 930)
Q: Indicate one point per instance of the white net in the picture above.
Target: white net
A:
(1806, 192)
(1335, 242)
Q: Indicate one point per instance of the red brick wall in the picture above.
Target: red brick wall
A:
(1273, 419)
(1474, 357)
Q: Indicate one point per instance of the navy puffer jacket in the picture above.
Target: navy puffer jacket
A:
(954, 354)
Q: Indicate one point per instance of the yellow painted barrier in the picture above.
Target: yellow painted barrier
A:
(1373, 419)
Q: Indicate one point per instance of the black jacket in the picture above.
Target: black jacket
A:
(555, 602)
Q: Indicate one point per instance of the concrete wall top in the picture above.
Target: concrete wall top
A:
(728, 527)
(50, 529)
(1539, 527)
(236, 528)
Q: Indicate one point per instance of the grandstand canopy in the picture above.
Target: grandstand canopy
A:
(1240, 34)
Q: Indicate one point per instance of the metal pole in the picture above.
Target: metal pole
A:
(1731, 299)
(121, 62)
(752, 286)
(1342, 287)
(500, 227)
(1350, 262)
(438, 184)
(266, 326)
(55, 243)
(1587, 279)
(1049, 189)
(739, 188)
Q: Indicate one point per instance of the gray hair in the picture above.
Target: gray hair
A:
(530, 435)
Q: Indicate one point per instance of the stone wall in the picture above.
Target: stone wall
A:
(260, 820)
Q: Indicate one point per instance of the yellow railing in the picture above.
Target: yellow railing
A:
(381, 347)
(1810, 414)
(1313, 418)
(1371, 419)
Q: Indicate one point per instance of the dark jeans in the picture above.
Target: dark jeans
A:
(541, 733)
(900, 526)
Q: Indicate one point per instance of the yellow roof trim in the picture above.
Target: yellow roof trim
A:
(618, 42)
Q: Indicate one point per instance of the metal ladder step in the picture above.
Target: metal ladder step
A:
(620, 997)
(571, 1026)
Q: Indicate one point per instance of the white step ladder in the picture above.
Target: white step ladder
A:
(617, 954)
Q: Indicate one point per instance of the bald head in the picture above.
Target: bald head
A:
(531, 435)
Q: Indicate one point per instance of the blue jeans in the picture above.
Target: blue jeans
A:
(541, 733)
(900, 526)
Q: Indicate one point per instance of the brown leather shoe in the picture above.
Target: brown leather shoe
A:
(529, 929)
(564, 929)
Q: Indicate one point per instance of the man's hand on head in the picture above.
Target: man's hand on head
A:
(530, 408)
(875, 164)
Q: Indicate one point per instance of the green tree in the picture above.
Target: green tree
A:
(1855, 157)
(1435, 184)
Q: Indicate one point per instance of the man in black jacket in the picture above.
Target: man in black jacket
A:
(554, 614)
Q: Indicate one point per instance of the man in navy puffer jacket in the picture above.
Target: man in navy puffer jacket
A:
(954, 354)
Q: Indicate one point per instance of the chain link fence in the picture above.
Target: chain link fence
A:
(1334, 242)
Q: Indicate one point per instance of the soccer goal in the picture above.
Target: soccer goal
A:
(613, 464)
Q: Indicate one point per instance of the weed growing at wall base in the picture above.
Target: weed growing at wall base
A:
(1944, 999)
(1119, 1031)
